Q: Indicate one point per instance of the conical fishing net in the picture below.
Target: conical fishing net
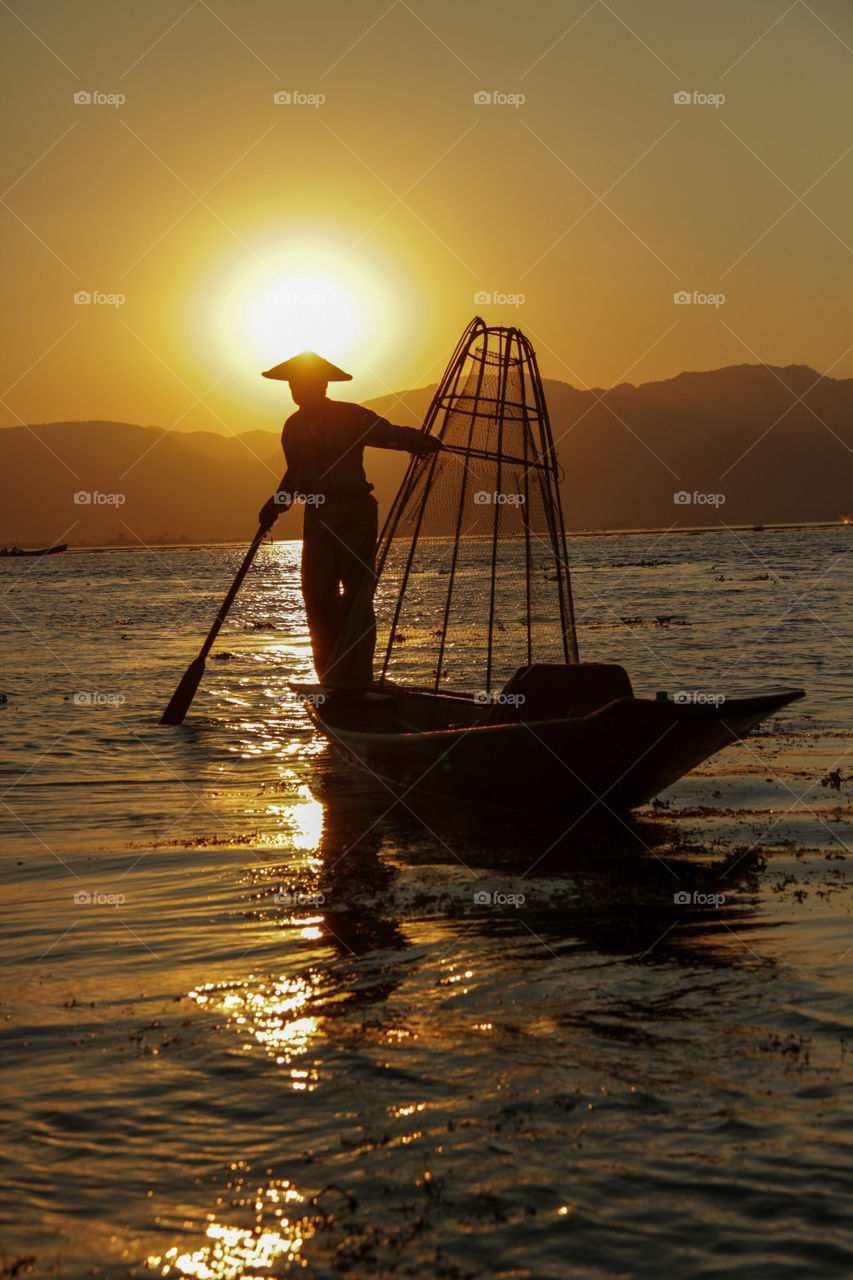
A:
(473, 575)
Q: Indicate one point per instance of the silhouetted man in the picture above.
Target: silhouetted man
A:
(323, 443)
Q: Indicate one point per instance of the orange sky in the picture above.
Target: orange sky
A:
(237, 229)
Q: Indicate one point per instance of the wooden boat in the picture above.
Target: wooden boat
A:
(39, 551)
(600, 753)
(475, 542)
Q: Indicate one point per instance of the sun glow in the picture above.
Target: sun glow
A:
(302, 310)
(304, 298)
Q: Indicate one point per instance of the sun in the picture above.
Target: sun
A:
(299, 311)
(303, 297)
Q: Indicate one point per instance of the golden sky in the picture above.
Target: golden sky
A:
(218, 230)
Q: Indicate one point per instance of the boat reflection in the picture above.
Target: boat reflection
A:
(641, 886)
(384, 946)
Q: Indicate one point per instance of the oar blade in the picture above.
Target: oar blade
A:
(184, 694)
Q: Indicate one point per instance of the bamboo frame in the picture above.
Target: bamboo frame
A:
(500, 348)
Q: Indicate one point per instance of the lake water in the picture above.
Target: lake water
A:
(256, 1024)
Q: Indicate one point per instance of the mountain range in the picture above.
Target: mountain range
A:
(772, 445)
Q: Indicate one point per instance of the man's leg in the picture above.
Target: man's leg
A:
(353, 662)
(321, 592)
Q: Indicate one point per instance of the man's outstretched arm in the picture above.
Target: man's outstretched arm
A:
(382, 434)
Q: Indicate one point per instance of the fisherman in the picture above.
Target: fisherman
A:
(323, 443)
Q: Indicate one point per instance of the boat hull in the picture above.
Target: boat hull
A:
(16, 552)
(619, 756)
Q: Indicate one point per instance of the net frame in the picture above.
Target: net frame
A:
(504, 349)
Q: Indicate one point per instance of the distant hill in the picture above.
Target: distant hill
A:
(171, 485)
(776, 443)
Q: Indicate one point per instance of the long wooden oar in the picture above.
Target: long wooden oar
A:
(185, 692)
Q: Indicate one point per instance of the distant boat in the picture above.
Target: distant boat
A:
(39, 551)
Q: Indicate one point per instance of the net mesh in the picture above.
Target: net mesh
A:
(473, 577)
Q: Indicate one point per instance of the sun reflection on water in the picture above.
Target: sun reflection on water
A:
(272, 1013)
(299, 816)
(231, 1251)
(400, 1113)
(307, 821)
